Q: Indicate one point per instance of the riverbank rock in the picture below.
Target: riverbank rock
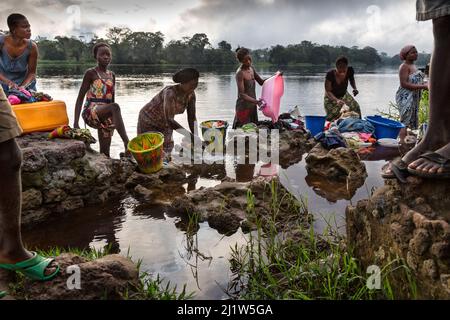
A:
(60, 175)
(410, 221)
(340, 164)
(105, 278)
(231, 205)
(293, 145)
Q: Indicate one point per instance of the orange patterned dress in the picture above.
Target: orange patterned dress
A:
(101, 92)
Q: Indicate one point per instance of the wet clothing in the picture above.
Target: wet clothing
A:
(333, 110)
(15, 69)
(9, 128)
(101, 92)
(355, 125)
(246, 112)
(432, 9)
(340, 89)
(152, 116)
(408, 101)
(331, 140)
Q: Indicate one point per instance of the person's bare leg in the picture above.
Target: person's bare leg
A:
(113, 110)
(402, 135)
(105, 143)
(438, 132)
(11, 246)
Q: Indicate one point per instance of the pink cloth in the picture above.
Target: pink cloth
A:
(364, 136)
(404, 52)
(13, 99)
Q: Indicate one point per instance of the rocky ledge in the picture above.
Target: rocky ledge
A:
(409, 221)
(60, 175)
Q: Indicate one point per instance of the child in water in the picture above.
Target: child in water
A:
(100, 110)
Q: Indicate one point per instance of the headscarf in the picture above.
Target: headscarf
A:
(185, 75)
(404, 52)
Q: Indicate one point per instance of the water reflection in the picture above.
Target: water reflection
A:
(332, 190)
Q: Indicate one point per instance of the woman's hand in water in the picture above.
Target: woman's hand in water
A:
(355, 92)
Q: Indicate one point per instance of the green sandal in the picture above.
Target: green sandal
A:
(33, 268)
(3, 294)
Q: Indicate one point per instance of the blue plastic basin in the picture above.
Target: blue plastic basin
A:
(385, 128)
(315, 124)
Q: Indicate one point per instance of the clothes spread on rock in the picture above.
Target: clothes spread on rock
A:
(331, 139)
(355, 125)
(67, 132)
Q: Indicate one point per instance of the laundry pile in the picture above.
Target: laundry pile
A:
(348, 131)
(286, 121)
(21, 95)
(67, 132)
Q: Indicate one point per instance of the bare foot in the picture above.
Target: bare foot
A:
(429, 166)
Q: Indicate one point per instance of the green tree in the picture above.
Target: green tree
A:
(223, 45)
(144, 47)
(279, 55)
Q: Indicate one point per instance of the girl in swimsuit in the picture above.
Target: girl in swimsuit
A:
(246, 77)
(100, 110)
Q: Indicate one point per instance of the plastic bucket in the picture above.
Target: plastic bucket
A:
(315, 124)
(385, 128)
(147, 149)
(213, 129)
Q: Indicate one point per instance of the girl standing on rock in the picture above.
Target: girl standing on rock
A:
(410, 91)
(100, 110)
(246, 77)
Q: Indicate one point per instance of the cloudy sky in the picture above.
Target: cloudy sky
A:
(384, 24)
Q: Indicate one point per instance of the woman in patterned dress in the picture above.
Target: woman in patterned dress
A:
(159, 114)
(100, 110)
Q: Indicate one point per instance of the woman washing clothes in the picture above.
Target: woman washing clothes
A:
(159, 114)
(246, 77)
(336, 95)
(410, 90)
(18, 55)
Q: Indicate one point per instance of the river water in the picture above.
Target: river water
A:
(150, 233)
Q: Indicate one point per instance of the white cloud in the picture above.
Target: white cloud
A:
(385, 25)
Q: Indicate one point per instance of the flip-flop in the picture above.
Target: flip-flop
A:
(386, 175)
(437, 159)
(3, 294)
(399, 170)
(34, 268)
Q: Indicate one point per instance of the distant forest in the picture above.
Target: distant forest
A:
(150, 48)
